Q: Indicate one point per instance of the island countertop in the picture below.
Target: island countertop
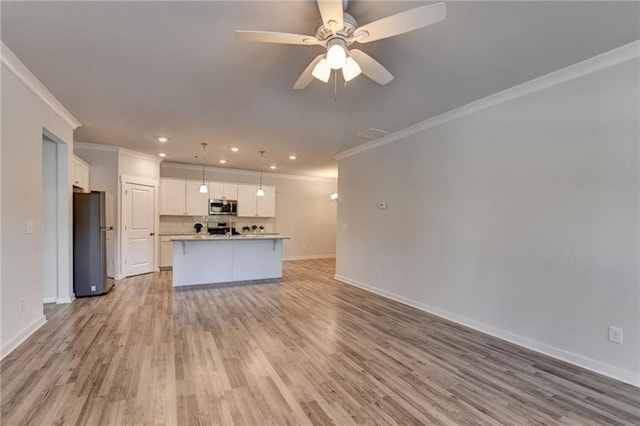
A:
(230, 238)
(219, 259)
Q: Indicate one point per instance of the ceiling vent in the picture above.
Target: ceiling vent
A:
(371, 134)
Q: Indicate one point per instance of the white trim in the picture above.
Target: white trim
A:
(13, 63)
(12, 344)
(64, 300)
(139, 180)
(313, 256)
(242, 172)
(49, 300)
(140, 155)
(95, 146)
(605, 60)
(623, 375)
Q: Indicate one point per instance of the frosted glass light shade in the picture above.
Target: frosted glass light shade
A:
(322, 71)
(351, 69)
(260, 192)
(336, 56)
(203, 189)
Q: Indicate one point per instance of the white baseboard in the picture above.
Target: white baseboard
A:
(64, 300)
(623, 375)
(313, 256)
(48, 300)
(24, 335)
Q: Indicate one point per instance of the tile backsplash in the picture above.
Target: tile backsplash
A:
(185, 224)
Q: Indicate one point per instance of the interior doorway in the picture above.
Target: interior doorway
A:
(57, 286)
(138, 214)
(50, 220)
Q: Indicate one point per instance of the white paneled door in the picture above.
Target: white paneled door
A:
(139, 228)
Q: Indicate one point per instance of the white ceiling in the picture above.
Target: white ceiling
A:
(131, 71)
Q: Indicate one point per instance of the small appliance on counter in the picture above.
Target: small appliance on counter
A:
(198, 227)
(221, 229)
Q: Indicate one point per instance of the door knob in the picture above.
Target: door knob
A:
(152, 234)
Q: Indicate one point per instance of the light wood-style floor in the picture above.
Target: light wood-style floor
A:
(302, 350)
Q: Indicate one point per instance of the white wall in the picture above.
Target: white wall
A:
(50, 220)
(303, 208)
(131, 163)
(521, 219)
(28, 110)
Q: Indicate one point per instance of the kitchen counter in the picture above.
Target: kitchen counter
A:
(182, 237)
(202, 259)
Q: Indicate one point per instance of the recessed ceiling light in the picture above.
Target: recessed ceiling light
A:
(272, 167)
(162, 154)
(292, 157)
(235, 149)
(223, 161)
(162, 139)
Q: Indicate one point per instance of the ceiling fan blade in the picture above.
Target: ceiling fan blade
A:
(331, 12)
(370, 67)
(401, 23)
(271, 37)
(306, 77)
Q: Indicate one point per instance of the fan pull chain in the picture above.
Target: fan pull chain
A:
(335, 85)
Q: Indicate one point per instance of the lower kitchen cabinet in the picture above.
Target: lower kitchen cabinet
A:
(166, 254)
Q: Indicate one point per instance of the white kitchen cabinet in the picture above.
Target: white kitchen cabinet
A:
(266, 206)
(250, 205)
(182, 198)
(221, 191)
(173, 196)
(166, 254)
(247, 200)
(80, 174)
(197, 203)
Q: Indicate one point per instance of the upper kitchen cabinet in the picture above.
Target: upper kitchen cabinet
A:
(197, 203)
(250, 205)
(223, 191)
(266, 206)
(182, 198)
(80, 174)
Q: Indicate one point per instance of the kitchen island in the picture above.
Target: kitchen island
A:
(220, 259)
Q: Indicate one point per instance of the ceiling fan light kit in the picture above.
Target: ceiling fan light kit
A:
(338, 30)
(322, 70)
(336, 54)
(351, 69)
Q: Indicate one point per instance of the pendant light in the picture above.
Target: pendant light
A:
(260, 191)
(203, 187)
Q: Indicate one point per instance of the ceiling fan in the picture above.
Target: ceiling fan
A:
(338, 30)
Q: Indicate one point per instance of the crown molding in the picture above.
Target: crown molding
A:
(95, 146)
(116, 149)
(139, 155)
(15, 65)
(242, 172)
(605, 60)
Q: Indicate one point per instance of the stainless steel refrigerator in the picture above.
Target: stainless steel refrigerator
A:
(90, 244)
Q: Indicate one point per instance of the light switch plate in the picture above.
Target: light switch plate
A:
(31, 227)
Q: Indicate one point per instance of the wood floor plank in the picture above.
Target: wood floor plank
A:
(301, 350)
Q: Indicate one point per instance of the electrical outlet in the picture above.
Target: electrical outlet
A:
(345, 227)
(378, 272)
(615, 335)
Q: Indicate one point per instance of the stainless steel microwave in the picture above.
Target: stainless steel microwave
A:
(220, 207)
